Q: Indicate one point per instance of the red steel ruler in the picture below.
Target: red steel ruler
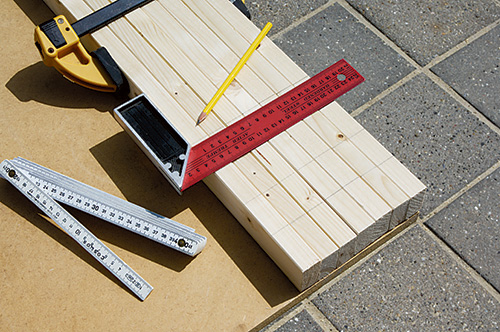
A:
(184, 165)
(270, 120)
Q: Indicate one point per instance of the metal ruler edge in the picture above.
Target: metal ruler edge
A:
(184, 165)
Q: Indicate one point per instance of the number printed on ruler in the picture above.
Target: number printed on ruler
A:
(44, 187)
(77, 231)
(270, 120)
(120, 218)
(114, 210)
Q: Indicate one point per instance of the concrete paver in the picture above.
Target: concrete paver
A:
(471, 227)
(335, 34)
(300, 322)
(435, 137)
(280, 13)
(425, 29)
(411, 285)
(474, 72)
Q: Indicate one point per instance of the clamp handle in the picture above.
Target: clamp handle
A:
(61, 48)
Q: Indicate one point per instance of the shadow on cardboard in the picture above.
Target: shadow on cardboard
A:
(36, 11)
(46, 85)
(104, 231)
(141, 183)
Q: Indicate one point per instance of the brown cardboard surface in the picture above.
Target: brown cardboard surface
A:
(48, 281)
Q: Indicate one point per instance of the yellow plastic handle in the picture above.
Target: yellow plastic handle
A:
(72, 60)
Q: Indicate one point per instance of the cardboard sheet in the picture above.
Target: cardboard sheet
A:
(48, 282)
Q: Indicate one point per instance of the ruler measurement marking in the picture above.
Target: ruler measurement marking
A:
(197, 162)
(111, 200)
(278, 104)
(74, 229)
(270, 120)
(123, 219)
(228, 138)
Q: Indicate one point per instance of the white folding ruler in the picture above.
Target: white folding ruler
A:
(43, 186)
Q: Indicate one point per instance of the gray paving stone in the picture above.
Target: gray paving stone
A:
(411, 285)
(425, 29)
(300, 322)
(280, 13)
(334, 34)
(436, 138)
(471, 226)
(474, 72)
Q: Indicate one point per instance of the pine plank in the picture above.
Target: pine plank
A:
(145, 83)
(247, 29)
(222, 52)
(215, 20)
(280, 199)
(225, 22)
(290, 210)
(349, 126)
(310, 201)
(283, 203)
(288, 250)
(313, 196)
(407, 182)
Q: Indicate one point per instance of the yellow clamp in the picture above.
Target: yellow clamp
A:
(72, 60)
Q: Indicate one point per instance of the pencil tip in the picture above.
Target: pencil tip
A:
(202, 117)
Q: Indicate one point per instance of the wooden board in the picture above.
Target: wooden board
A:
(324, 174)
(179, 52)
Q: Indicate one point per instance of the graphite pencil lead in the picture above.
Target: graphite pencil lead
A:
(202, 117)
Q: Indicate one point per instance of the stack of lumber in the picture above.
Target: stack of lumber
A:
(313, 196)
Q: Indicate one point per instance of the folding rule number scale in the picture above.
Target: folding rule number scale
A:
(44, 187)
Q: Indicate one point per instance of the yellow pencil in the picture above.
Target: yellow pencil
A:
(233, 73)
